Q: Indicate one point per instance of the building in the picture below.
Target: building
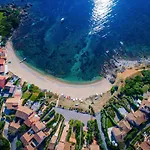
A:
(3, 54)
(31, 120)
(2, 81)
(94, 147)
(120, 132)
(38, 126)
(145, 107)
(13, 127)
(12, 103)
(10, 88)
(32, 140)
(23, 112)
(136, 118)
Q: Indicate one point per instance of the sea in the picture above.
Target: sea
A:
(70, 39)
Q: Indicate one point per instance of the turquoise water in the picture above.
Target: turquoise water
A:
(75, 50)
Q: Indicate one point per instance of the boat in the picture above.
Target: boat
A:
(24, 59)
(62, 20)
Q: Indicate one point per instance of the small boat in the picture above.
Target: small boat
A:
(121, 42)
(24, 59)
(62, 20)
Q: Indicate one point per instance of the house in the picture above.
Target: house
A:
(13, 127)
(145, 107)
(124, 125)
(136, 118)
(31, 140)
(38, 138)
(12, 103)
(26, 138)
(3, 54)
(145, 145)
(10, 88)
(23, 112)
(2, 62)
(31, 120)
(2, 81)
(38, 126)
(120, 132)
(51, 146)
(94, 147)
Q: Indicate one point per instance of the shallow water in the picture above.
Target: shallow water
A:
(75, 50)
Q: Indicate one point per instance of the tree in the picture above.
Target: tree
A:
(4, 144)
(18, 144)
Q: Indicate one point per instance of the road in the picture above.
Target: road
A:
(98, 118)
(73, 115)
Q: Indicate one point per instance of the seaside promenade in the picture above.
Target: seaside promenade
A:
(50, 83)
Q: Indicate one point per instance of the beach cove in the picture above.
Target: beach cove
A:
(50, 83)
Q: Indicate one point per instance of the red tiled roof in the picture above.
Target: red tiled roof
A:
(39, 137)
(26, 138)
(32, 119)
(2, 81)
(12, 103)
(37, 126)
(2, 61)
(23, 112)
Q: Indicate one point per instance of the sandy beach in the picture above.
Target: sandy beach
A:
(46, 82)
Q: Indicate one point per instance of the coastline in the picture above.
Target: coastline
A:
(33, 76)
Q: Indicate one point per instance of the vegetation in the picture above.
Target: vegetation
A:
(2, 124)
(9, 20)
(23, 128)
(78, 129)
(93, 133)
(4, 144)
(134, 86)
(71, 123)
(49, 116)
(114, 89)
(51, 122)
(19, 144)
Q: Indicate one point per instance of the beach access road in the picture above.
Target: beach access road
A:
(50, 83)
(73, 115)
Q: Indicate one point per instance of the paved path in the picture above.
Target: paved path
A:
(98, 118)
(73, 115)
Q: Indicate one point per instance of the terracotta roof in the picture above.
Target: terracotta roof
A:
(145, 103)
(26, 138)
(37, 126)
(54, 138)
(51, 146)
(94, 147)
(29, 147)
(119, 135)
(39, 137)
(2, 61)
(13, 127)
(64, 134)
(23, 112)
(12, 103)
(124, 125)
(9, 84)
(2, 69)
(2, 81)
(138, 117)
(145, 146)
(32, 119)
(67, 146)
(60, 146)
